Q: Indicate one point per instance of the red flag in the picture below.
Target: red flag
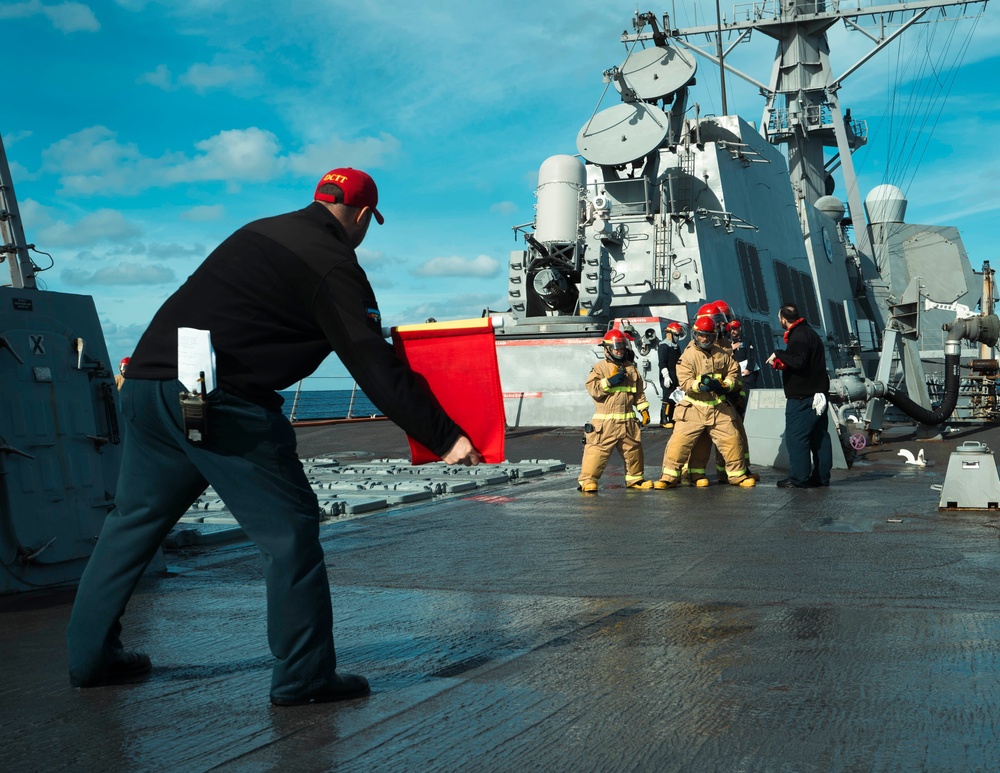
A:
(458, 361)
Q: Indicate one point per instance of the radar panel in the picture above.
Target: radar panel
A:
(655, 72)
(622, 134)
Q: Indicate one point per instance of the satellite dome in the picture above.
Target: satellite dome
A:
(832, 207)
(885, 204)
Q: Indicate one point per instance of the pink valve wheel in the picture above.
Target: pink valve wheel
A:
(858, 441)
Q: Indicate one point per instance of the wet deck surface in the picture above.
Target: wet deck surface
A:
(532, 627)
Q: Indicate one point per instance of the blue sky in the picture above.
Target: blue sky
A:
(142, 133)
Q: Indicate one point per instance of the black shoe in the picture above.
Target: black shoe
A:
(127, 667)
(787, 483)
(347, 686)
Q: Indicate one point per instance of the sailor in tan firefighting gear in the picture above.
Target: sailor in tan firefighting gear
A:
(618, 391)
(694, 471)
(707, 373)
(726, 325)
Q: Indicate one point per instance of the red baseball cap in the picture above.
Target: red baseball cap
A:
(359, 189)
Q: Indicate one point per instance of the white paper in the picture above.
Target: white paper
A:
(677, 395)
(194, 356)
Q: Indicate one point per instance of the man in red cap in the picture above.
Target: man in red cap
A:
(277, 297)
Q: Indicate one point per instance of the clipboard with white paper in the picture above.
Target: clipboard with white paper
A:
(195, 356)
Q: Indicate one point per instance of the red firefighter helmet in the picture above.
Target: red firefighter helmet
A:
(121, 365)
(735, 330)
(703, 331)
(676, 329)
(707, 310)
(615, 343)
(723, 307)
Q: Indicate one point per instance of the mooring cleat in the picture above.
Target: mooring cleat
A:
(590, 487)
(643, 485)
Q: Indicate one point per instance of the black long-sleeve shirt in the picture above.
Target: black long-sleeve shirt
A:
(277, 297)
(805, 372)
(668, 354)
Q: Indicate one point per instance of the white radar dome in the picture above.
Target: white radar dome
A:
(885, 204)
(832, 207)
(560, 199)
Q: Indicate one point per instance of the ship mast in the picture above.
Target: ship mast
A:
(15, 247)
(802, 108)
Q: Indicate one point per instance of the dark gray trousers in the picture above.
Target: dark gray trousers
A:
(807, 440)
(251, 463)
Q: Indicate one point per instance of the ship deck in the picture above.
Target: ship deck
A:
(537, 628)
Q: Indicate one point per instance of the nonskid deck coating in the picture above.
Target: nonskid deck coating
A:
(849, 628)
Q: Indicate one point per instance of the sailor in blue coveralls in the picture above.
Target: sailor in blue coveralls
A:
(277, 297)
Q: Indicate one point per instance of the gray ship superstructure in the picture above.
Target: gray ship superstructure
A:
(665, 209)
(59, 427)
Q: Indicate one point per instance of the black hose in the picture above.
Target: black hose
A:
(944, 410)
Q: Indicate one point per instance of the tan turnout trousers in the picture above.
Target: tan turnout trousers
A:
(615, 423)
(704, 418)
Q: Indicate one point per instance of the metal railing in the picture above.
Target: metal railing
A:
(329, 403)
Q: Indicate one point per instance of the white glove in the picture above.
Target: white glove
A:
(819, 403)
(665, 375)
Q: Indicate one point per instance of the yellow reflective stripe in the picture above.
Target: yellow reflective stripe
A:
(614, 416)
(716, 401)
(619, 389)
(633, 477)
(671, 472)
(643, 406)
(696, 469)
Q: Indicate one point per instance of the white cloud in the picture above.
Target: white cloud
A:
(204, 213)
(504, 208)
(365, 153)
(480, 266)
(11, 138)
(129, 274)
(469, 306)
(235, 155)
(65, 17)
(94, 162)
(203, 77)
(161, 251)
(102, 225)
(72, 17)
(160, 77)
(20, 173)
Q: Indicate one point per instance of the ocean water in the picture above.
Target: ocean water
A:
(327, 404)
